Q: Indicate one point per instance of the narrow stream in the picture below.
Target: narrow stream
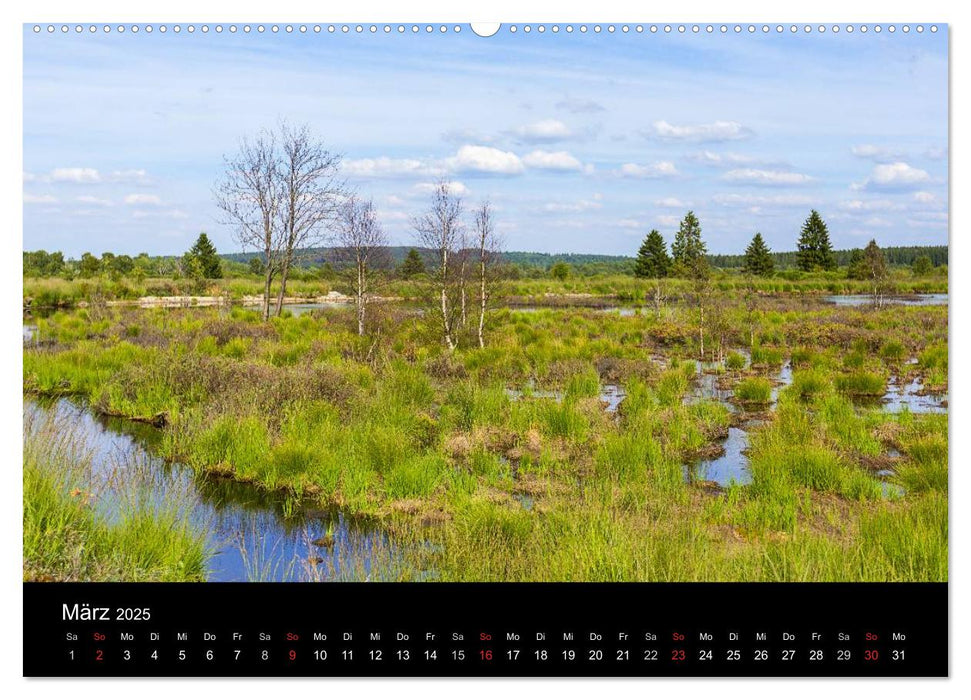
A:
(253, 535)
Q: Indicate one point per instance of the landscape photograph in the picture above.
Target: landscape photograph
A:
(403, 303)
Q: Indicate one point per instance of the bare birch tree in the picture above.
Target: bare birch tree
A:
(310, 193)
(249, 196)
(440, 229)
(360, 241)
(488, 246)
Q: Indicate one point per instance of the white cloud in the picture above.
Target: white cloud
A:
(543, 131)
(668, 220)
(389, 167)
(143, 199)
(80, 175)
(662, 168)
(880, 154)
(39, 198)
(485, 159)
(89, 176)
(97, 201)
(456, 188)
(891, 176)
(754, 176)
(552, 160)
(136, 176)
(630, 224)
(746, 200)
(670, 203)
(716, 131)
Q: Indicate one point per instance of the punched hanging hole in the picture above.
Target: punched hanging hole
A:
(485, 29)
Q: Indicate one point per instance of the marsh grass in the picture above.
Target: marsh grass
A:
(502, 464)
(861, 384)
(77, 529)
(754, 390)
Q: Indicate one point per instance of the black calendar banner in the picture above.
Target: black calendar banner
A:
(586, 629)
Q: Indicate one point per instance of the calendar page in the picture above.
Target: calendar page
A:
(524, 349)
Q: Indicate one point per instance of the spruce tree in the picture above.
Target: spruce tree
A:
(855, 269)
(688, 246)
(204, 253)
(758, 259)
(815, 251)
(652, 257)
(412, 265)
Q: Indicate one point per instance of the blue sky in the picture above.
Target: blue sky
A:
(583, 143)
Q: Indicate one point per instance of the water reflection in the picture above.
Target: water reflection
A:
(254, 534)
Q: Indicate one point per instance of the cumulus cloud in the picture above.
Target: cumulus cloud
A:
(756, 176)
(668, 220)
(143, 199)
(389, 167)
(39, 198)
(697, 133)
(552, 160)
(880, 154)
(630, 224)
(894, 176)
(78, 175)
(662, 168)
(577, 105)
(485, 160)
(543, 131)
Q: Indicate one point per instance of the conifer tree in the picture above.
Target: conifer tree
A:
(204, 253)
(758, 259)
(412, 265)
(652, 257)
(815, 251)
(688, 246)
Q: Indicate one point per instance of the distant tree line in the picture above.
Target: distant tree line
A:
(897, 256)
(814, 253)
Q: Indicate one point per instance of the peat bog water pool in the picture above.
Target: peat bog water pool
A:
(906, 300)
(732, 464)
(252, 534)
